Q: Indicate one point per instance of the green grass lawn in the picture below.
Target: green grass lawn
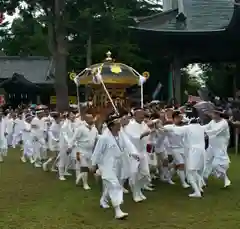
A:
(32, 199)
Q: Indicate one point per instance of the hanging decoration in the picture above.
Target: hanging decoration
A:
(146, 75)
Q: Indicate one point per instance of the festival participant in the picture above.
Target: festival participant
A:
(217, 159)
(28, 141)
(46, 125)
(10, 117)
(17, 131)
(53, 141)
(168, 119)
(66, 133)
(82, 144)
(127, 159)
(137, 130)
(107, 156)
(194, 155)
(176, 145)
(38, 132)
(160, 149)
(3, 137)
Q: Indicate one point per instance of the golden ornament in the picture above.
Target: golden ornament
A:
(146, 75)
(116, 69)
(72, 75)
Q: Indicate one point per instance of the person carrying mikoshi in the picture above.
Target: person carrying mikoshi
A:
(82, 144)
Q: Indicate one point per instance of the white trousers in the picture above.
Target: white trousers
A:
(113, 190)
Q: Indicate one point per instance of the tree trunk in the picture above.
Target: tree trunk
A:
(60, 57)
(89, 50)
(61, 87)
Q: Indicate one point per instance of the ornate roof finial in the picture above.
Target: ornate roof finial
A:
(108, 58)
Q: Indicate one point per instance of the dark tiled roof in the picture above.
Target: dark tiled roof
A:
(202, 15)
(34, 69)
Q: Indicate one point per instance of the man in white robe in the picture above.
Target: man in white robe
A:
(53, 140)
(136, 131)
(82, 144)
(3, 137)
(107, 156)
(175, 135)
(159, 139)
(27, 137)
(194, 156)
(10, 125)
(217, 159)
(66, 133)
(17, 131)
(38, 132)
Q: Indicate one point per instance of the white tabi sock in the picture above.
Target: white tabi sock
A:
(227, 182)
(104, 197)
(119, 214)
(182, 177)
(85, 181)
(61, 171)
(194, 185)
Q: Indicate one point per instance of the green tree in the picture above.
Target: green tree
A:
(25, 37)
(190, 84)
(220, 78)
(74, 33)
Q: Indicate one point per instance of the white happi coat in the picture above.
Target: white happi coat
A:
(9, 129)
(218, 133)
(194, 147)
(83, 142)
(3, 138)
(130, 160)
(17, 131)
(46, 125)
(39, 132)
(134, 131)
(159, 141)
(108, 154)
(175, 136)
(27, 138)
(66, 133)
(53, 136)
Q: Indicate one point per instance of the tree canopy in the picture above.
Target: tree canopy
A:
(75, 33)
(105, 22)
(220, 78)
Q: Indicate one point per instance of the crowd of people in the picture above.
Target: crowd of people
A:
(127, 150)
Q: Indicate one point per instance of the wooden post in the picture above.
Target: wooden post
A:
(235, 84)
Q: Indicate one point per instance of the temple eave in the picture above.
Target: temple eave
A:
(179, 32)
